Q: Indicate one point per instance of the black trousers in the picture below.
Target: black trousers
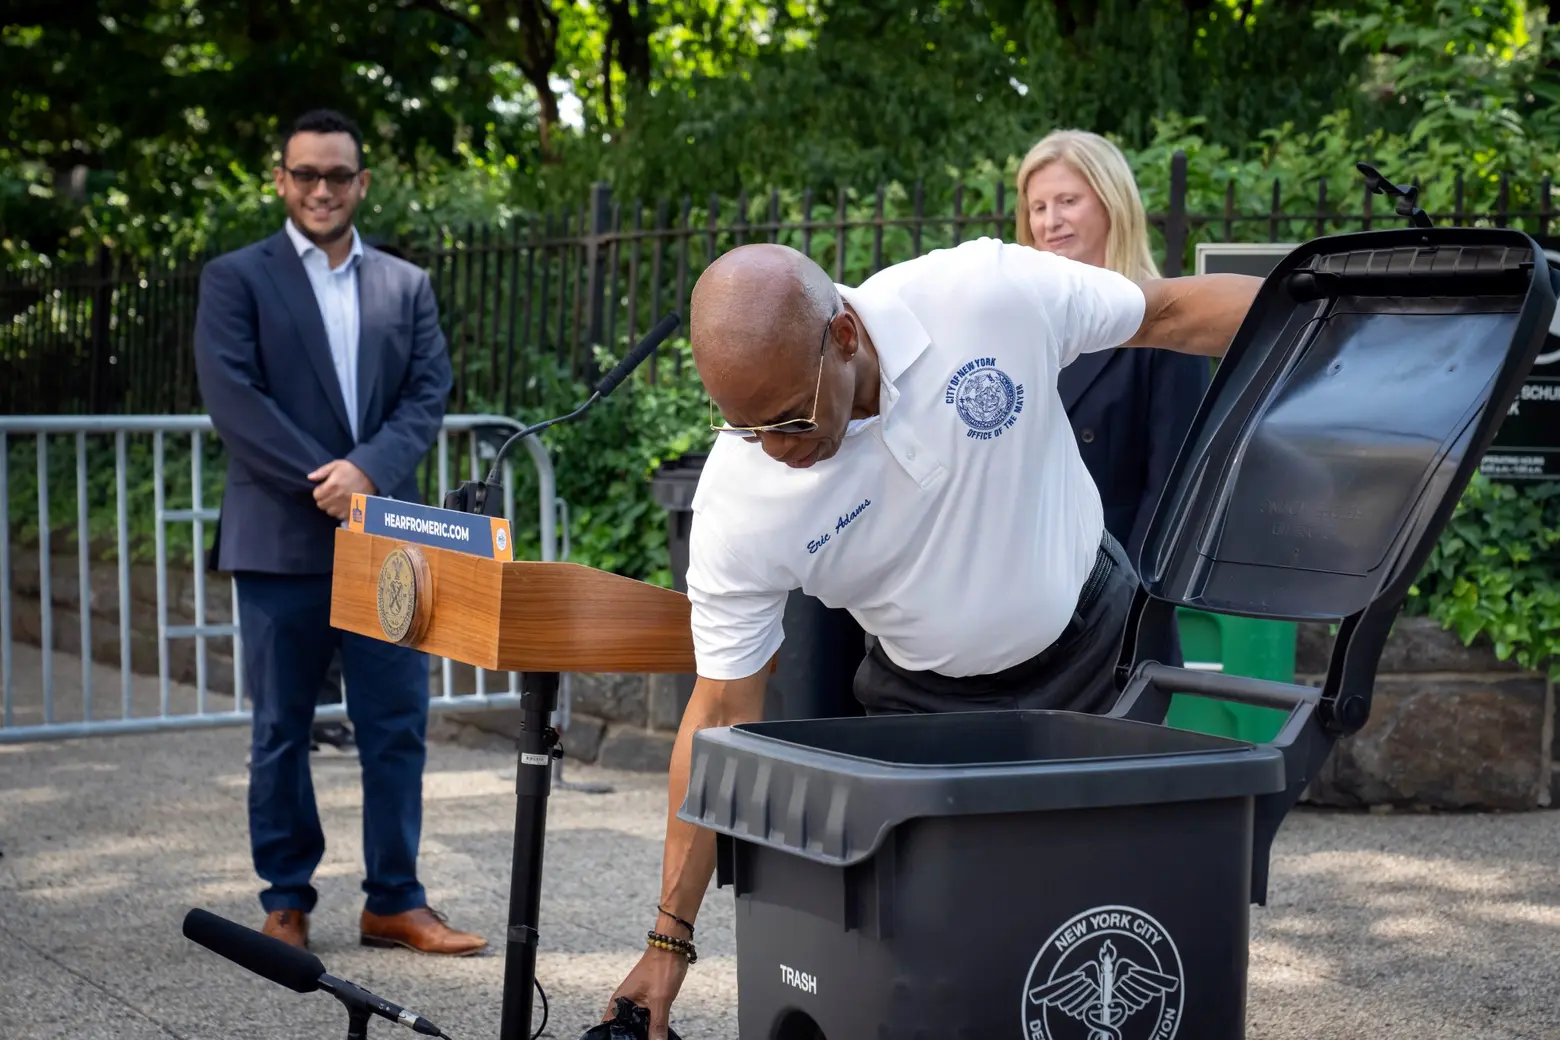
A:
(1075, 673)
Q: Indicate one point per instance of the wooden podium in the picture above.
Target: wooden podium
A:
(508, 616)
(474, 604)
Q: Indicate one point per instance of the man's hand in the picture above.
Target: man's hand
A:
(334, 485)
(653, 984)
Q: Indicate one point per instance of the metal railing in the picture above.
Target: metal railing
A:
(34, 711)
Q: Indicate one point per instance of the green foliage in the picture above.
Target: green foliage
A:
(156, 101)
(1479, 80)
(1495, 574)
(899, 91)
(1118, 66)
(162, 106)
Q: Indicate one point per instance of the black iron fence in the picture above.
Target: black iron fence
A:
(531, 302)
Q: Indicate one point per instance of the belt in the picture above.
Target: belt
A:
(1104, 564)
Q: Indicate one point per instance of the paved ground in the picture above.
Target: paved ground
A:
(1389, 927)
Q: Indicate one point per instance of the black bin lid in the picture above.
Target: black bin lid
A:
(1345, 421)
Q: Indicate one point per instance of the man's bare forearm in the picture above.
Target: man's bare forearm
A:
(1198, 314)
(689, 856)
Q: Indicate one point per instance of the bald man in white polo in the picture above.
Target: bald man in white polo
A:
(899, 450)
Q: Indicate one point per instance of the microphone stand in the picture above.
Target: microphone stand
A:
(539, 745)
(361, 1005)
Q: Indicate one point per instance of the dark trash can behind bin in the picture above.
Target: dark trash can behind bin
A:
(1053, 876)
(823, 647)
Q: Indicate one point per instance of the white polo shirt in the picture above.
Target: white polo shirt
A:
(958, 525)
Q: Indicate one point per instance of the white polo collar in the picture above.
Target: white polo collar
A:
(897, 334)
(898, 337)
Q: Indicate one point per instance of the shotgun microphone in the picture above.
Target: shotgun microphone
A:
(298, 970)
(486, 497)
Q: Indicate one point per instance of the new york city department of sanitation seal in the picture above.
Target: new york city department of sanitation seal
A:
(405, 595)
(1111, 973)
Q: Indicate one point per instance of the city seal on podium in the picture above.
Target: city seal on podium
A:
(1111, 973)
(405, 595)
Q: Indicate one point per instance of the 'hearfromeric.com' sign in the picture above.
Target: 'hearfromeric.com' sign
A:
(485, 536)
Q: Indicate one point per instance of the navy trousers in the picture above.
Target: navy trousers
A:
(288, 643)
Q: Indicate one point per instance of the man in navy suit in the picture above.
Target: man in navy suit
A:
(325, 373)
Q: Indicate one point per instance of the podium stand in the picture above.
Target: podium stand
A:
(442, 583)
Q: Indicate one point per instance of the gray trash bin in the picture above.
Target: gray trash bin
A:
(1053, 876)
(957, 876)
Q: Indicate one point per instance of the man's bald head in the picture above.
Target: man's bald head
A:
(772, 360)
(758, 312)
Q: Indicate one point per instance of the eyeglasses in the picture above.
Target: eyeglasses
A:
(791, 427)
(337, 179)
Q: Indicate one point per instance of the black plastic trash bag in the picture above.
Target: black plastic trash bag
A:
(629, 1022)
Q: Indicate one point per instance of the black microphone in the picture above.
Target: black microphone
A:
(643, 349)
(286, 965)
(267, 957)
(485, 497)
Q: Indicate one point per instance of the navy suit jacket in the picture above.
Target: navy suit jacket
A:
(268, 382)
(1130, 409)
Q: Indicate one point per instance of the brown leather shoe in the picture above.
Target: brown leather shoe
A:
(422, 930)
(290, 926)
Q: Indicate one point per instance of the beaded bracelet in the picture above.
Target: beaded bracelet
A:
(673, 945)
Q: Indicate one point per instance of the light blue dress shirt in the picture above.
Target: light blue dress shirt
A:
(336, 291)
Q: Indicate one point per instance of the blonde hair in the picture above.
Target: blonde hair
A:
(1102, 165)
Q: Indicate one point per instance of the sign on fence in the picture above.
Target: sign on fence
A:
(1527, 445)
(1254, 258)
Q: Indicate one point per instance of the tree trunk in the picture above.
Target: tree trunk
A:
(537, 52)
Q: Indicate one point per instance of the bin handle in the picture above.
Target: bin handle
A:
(1225, 686)
(1300, 740)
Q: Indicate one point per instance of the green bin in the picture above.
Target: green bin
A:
(1257, 649)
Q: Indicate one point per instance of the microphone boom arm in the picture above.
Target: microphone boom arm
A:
(484, 497)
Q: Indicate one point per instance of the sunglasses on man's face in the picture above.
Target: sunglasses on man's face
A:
(786, 427)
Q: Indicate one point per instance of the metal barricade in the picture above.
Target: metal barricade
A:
(35, 710)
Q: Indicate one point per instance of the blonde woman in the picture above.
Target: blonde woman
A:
(1129, 409)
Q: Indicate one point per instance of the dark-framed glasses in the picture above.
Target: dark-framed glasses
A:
(789, 427)
(307, 178)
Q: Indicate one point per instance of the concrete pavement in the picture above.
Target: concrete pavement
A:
(1388, 927)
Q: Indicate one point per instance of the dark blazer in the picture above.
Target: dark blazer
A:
(1130, 409)
(269, 384)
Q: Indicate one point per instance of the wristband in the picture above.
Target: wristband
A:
(679, 920)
